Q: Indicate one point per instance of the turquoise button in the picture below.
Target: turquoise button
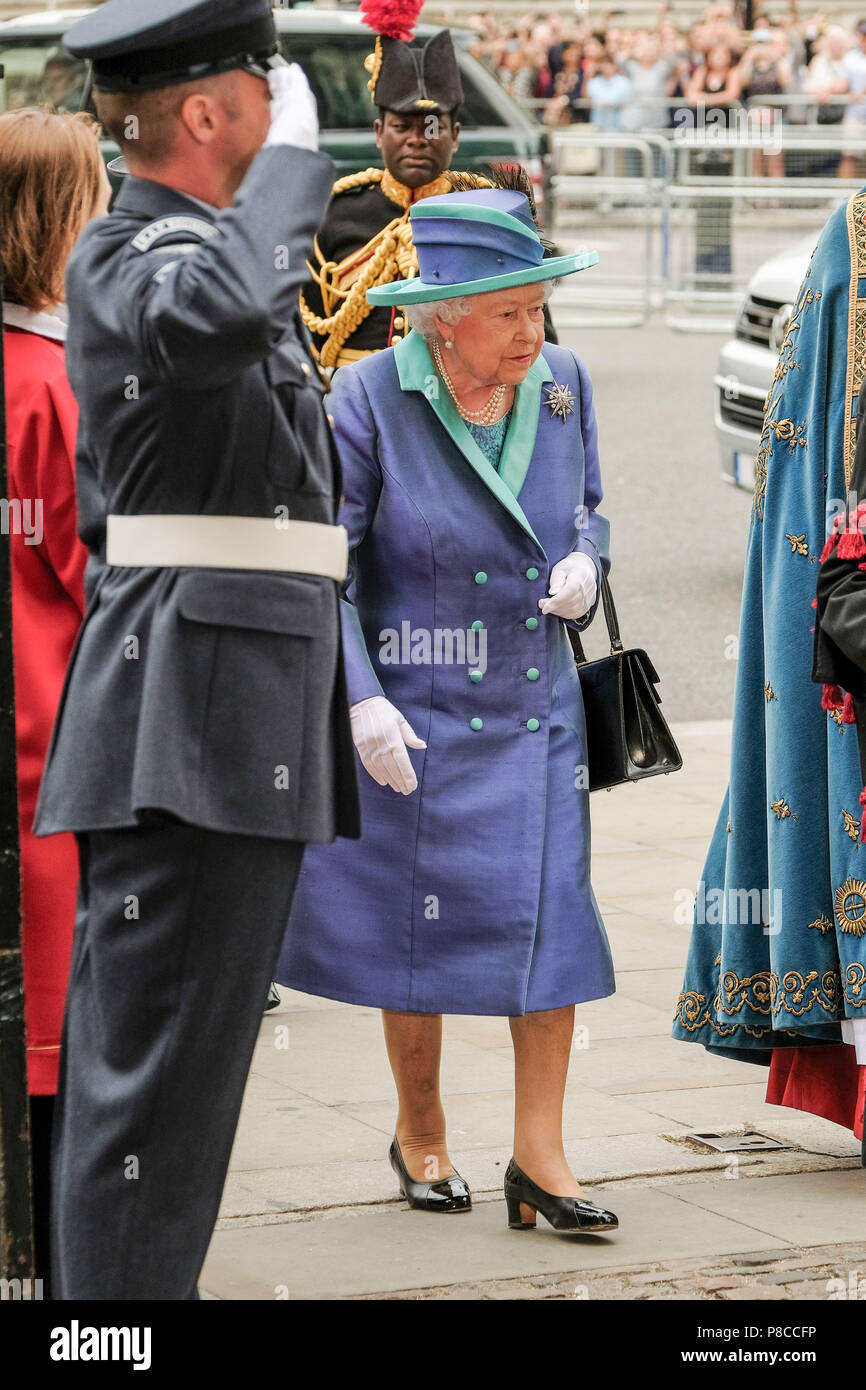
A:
(476, 676)
(532, 572)
(481, 577)
(532, 674)
(531, 623)
(532, 725)
(477, 626)
(476, 724)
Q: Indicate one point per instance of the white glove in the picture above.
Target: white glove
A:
(294, 116)
(573, 587)
(380, 734)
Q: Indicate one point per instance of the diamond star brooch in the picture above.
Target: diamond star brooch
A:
(560, 399)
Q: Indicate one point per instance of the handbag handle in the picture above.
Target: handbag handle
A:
(611, 622)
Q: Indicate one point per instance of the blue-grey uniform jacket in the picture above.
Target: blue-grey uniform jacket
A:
(213, 695)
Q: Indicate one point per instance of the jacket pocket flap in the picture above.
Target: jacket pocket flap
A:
(290, 364)
(286, 604)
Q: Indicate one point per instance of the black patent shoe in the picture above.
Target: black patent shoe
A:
(449, 1194)
(570, 1214)
(273, 1001)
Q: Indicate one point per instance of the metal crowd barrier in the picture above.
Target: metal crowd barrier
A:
(608, 188)
(683, 218)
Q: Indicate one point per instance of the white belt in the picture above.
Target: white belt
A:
(228, 542)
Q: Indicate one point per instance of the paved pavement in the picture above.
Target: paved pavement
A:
(310, 1207)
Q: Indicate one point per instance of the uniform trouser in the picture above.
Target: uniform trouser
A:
(176, 941)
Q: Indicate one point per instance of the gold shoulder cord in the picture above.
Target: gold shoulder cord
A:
(391, 257)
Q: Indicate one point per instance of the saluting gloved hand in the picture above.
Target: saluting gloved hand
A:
(294, 117)
(380, 734)
(573, 587)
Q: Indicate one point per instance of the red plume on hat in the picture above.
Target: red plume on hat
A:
(396, 19)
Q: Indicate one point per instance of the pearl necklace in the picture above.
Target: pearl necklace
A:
(486, 414)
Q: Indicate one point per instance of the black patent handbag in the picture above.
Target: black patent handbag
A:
(627, 735)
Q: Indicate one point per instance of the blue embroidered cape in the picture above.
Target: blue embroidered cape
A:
(778, 944)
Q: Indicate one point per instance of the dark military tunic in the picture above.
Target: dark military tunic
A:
(364, 208)
(350, 235)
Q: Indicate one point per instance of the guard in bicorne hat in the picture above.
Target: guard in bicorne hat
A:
(366, 239)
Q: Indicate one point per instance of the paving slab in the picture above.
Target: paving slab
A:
(731, 1108)
(813, 1210)
(350, 1252)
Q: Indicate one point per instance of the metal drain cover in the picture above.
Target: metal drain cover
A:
(749, 1141)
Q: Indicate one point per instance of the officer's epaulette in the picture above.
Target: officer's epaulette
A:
(169, 231)
(354, 183)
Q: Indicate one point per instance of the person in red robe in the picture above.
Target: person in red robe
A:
(52, 182)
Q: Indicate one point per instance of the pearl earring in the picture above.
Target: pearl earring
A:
(448, 343)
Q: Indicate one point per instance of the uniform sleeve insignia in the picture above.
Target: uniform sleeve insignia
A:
(165, 228)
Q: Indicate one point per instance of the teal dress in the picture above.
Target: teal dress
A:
(490, 438)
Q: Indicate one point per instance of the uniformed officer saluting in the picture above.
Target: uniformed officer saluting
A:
(203, 736)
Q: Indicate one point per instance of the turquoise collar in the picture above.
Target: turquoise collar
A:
(416, 372)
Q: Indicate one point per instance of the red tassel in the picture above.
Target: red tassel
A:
(814, 603)
(863, 817)
(848, 711)
(852, 545)
(828, 546)
(860, 567)
(831, 697)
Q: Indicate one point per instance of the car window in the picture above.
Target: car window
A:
(40, 70)
(36, 72)
(335, 70)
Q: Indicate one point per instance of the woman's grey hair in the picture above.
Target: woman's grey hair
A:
(422, 317)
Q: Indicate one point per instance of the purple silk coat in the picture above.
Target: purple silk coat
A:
(471, 895)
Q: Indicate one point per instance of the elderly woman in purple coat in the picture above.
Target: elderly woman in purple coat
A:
(471, 481)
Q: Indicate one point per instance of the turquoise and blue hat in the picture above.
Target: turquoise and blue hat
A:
(470, 243)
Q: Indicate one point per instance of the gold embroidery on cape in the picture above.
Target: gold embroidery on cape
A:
(798, 543)
(766, 993)
(855, 215)
(688, 1014)
(850, 905)
(836, 716)
(852, 825)
(783, 810)
(855, 976)
(821, 924)
(770, 694)
(781, 430)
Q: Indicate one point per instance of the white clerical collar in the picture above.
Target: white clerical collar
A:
(53, 325)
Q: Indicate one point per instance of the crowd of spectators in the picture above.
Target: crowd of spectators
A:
(623, 78)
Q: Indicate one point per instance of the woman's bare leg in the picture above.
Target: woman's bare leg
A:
(542, 1048)
(414, 1043)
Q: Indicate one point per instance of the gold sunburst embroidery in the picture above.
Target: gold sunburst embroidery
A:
(850, 905)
